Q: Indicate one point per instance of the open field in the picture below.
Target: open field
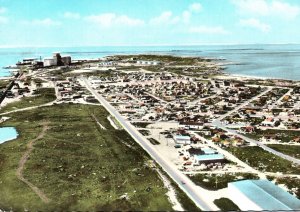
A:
(292, 150)
(77, 165)
(282, 135)
(219, 181)
(263, 160)
(167, 59)
(43, 96)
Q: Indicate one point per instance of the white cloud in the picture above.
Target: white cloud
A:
(195, 7)
(276, 8)
(71, 15)
(164, 18)
(111, 19)
(255, 23)
(285, 10)
(259, 7)
(42, 22)
(208, 30)
(3, 20)
(186, 16)
(167, 17)
(2, 10)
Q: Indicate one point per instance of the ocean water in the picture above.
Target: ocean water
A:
(7, 133)
(268, 61)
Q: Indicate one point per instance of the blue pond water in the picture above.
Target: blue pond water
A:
(7, 133)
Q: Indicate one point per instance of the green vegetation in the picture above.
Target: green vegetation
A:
(4, 83)
(167, 59)
(292, 150)
(116, 122)
(291, 183)
(144, 132)
(153, 141)
(42, 96)
(79, 166)
(184, 200)
(141, 124)
(226, 204)
(263, 160)
(219, 181)
(281, 135)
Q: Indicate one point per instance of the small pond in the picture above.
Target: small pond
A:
(7, 134)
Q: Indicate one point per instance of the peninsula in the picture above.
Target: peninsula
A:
(147, 132)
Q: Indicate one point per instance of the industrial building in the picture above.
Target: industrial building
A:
(57, 60)
(211, 158)
(204, 155)
(261, 195)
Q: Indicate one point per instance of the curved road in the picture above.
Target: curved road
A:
(193, 191)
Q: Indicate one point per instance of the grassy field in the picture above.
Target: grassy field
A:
(140, 124)
(219, 181)
(168, 59)
(226, 204)
(79, 166)
(4, 83)
(43, 96)
(291, 150)
(291, 183)
(263, 160)
(282, 135)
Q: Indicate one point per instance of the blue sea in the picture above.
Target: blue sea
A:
(267, 61)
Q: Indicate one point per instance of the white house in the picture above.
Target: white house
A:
(179, 139)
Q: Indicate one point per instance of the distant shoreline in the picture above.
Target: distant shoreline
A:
(223, 63)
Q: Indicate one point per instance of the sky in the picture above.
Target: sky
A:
(147, 22)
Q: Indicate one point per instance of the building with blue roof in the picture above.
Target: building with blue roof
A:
(261, 195)
(211, 158)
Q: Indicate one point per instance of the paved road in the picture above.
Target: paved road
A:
(263, 146)
(194, 192)
(244, 104)
(218, 124)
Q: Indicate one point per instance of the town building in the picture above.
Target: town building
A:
(209, 158)
(144, 62)
(180, 139)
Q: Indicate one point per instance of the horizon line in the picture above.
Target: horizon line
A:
(145, 45)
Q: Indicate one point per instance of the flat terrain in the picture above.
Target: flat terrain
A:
(219, 181)
(264, 161)
(76, 164)
(292, 150)
(41, 96)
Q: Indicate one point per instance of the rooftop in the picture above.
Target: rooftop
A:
(267, 195)
(209, 157)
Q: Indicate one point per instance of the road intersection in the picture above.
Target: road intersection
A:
(194, 192)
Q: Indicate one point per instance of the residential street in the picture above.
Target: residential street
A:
(193, 191)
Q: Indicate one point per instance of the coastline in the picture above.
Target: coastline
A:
(250, 77)
(221, 63)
